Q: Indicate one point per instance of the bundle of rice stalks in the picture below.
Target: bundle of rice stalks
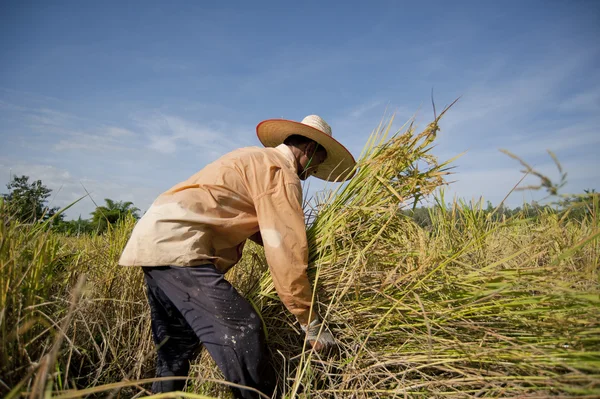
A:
(427, 313)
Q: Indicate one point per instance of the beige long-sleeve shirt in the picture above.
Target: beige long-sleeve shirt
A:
(207, 219)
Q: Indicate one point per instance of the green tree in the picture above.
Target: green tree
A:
(582, 205)
(26, 201)
(420, 216)
(74, 227)
(110, 214)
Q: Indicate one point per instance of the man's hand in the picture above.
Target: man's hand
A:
(318, 337)
(320, 346)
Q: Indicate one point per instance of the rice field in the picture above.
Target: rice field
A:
(471, 306)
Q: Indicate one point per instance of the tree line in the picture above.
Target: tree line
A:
(27, 202)
(573, 207)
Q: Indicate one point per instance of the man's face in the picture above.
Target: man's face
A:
(310, 160)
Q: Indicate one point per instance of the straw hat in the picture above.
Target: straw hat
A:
(339, 164)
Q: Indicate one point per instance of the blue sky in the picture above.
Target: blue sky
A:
(129, 98)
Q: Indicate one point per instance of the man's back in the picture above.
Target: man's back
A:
(208, 217)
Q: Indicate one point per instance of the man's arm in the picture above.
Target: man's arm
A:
(281, 223)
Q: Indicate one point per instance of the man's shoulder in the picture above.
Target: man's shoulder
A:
(259, 153)
(247, 151)
(263, 160)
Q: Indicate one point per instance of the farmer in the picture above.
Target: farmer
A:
(193, 233)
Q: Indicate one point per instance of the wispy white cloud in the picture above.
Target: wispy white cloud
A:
(23, 95)
(97, 140)
(522, 111)
(167, 133)
(45, 117)
(588, 101)
(578, 136)
(118, 132)
(362, 109)
(88, 143)
(164, 144)
(494, 182)
(517, 110)
(114, 160)
(70, 132)
(504, 100)
(67, 187)
(581, 137)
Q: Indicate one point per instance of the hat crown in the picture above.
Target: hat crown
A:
(315, 121)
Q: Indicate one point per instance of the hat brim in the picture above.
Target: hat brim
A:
(339, 164)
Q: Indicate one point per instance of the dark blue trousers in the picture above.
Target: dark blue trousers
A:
(193, 306)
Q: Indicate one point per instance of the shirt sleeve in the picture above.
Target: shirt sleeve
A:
(281, 224)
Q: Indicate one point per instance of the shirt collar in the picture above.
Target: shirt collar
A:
(289, 155)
